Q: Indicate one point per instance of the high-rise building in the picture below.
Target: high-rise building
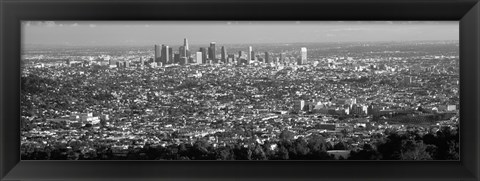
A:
(240, 53)
(249, 54)
(185, 44)
(224, 54)
(230, 58)
(176, 58)
(183, 60)
(303, 56)
(183, 52)
(198, 58)
(170, 55)
(157, 55)
(211, 52)
(267, 57)
(165, 55)
(204, 55)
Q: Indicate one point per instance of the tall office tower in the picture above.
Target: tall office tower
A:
(198, 58)
(187, 53)
(249, 54)
(240, 54)
(176, 58)
(157, 55)
(185, 44)
(183, 52)
(183, 60)
(204, 55)
(267, 58)
(209, 54)
(224, 54)
(212, 54)
(170, 55)
(253, 55)
(165, 55)
(230, 58)
(303, 58)
(142, 62)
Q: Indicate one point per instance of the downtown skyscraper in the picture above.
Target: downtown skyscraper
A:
(158, 53)
(204, 55)
(185, 43)
(165, 56)
(250, 54)
(224, 54)
(185, 46)
(212, 52)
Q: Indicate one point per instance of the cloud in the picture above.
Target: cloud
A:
(92, 25)
(74, 24)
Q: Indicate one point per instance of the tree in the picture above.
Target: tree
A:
(340, 146)
(414, 150)
(286, 135)
(317, 144)
(390, 150)
(367, 153)
(300, 148)
(283, 153)
(258, 153)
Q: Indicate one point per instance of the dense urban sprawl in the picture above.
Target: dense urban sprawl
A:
(385, 100)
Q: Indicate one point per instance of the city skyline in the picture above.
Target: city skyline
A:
(391, 97)
(142, 33)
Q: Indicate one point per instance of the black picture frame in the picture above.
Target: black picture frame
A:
(465, 11)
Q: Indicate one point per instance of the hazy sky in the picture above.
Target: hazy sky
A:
(140, 33)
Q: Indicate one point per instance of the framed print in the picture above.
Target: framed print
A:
(250, 90)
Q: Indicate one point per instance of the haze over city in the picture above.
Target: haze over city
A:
(141, 33)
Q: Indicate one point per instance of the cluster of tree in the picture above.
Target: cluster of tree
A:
(36, 85)
(298, 149)
(443, 145)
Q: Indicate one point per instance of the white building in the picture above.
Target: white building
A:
(249, 54)
(198, 58)
(303, 58)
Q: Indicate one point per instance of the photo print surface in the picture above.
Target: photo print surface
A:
(240, 90)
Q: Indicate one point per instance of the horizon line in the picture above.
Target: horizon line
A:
(206, 44)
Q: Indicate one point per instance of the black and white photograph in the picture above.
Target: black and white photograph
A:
(240, 90)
